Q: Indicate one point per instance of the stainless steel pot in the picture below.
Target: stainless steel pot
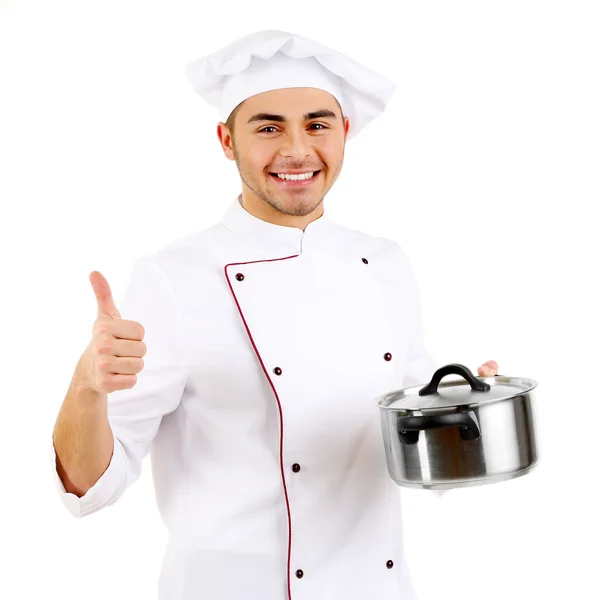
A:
(459, 433)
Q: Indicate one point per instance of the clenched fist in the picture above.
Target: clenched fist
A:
(114, 356)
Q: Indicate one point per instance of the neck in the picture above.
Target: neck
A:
(266, 212)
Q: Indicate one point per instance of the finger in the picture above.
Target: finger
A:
(122, 329)
(104, 298)
(488, 369)
(128, 347)
(125, 366)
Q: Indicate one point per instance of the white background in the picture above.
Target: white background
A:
(478, 168)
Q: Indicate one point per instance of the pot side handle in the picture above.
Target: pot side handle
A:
(409, 427)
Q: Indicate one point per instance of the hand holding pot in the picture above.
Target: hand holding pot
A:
(488, 369)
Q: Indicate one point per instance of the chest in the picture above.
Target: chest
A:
(317, 333)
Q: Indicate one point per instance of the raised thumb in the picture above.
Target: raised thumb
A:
(104, 297)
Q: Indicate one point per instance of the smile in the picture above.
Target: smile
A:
(299, 180)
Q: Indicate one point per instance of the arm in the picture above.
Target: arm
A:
(96, 467)
(82, 438)
(420, 364)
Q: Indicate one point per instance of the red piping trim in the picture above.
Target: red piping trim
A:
(278, 402)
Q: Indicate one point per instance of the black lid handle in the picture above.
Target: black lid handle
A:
(454, 369)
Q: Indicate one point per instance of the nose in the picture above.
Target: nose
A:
(296, 145)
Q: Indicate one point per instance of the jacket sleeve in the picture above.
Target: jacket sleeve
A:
(420, 364)
(135, 414)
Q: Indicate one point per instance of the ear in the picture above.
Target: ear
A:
(346, 127)
(224, 137)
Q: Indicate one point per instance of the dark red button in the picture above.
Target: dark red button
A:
(365, 261)
(389, 564)
(239, 277)
(296, 468)
(299, 573)
(278, 370)
(387, 356)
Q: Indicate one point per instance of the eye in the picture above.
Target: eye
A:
(263, 130)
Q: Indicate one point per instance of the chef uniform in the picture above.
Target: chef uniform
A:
(266, 349)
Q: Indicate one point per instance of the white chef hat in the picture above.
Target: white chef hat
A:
(272, 59)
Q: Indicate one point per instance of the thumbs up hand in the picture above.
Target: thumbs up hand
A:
(114, 356)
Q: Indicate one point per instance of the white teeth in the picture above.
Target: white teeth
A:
(295, 177)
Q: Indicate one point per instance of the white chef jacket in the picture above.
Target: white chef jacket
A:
(267, 347)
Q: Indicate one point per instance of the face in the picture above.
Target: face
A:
(278, 132)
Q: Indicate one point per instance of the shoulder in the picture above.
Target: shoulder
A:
(188, 249)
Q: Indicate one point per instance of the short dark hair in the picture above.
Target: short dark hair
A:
(231, 120)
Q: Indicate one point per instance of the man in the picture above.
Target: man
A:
(247, 357)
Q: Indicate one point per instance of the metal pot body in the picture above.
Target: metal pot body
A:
(465, 445)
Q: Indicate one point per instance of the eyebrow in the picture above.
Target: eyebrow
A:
(318, 114)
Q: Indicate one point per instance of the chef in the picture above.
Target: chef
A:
(269, 336)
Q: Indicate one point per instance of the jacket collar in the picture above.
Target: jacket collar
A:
(276, 241)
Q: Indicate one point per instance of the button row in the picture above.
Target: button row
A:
(296, 467)
(299, 572)
(279, 371)
(240, 276)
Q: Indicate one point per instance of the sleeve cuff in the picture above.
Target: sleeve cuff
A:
(104, 492)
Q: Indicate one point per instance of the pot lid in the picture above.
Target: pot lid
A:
(462, 392)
